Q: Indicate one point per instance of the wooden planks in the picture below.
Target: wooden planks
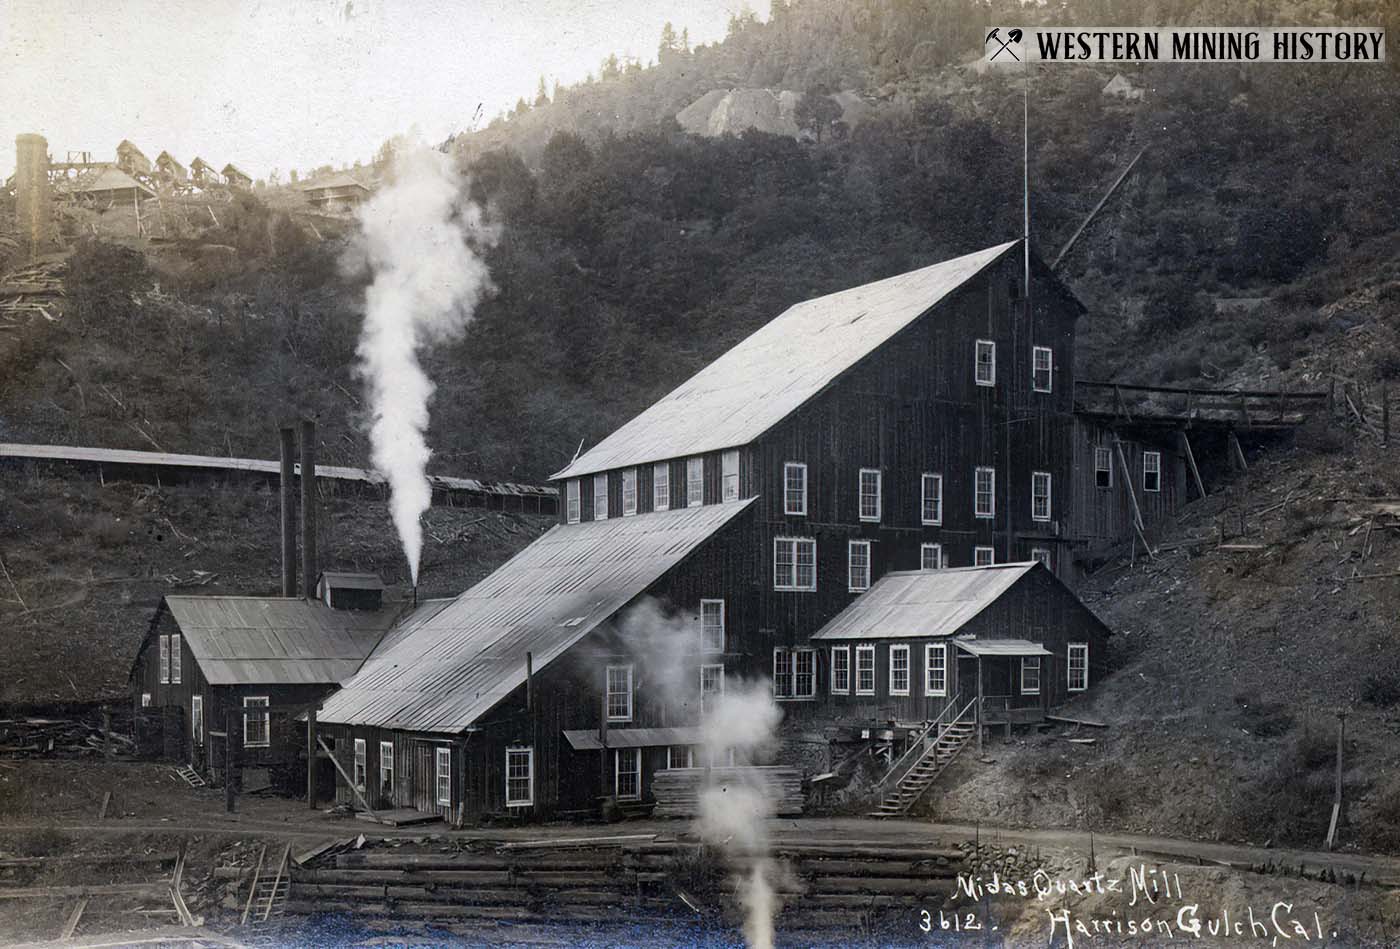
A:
(678, 791)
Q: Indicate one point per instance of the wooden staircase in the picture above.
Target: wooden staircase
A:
(267, 896)
(920, 766)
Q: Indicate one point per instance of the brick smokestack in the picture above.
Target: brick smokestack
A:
(289, 512)
(33, 200)
(308, 508)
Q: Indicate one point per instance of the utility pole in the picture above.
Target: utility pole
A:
(311, 758)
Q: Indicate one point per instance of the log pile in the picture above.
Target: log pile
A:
(677, 792)
(58, 738)
(35, 288)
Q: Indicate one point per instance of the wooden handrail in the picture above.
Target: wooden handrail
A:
(1178, 390)
(920, 743)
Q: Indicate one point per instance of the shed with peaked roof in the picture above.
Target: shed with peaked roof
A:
(109, 185)
(131, 159)
(170, 169)
(236, 177)
(203, 174)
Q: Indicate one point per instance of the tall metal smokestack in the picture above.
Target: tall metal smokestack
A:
(308, 508)
(289, 512)
(33, 200)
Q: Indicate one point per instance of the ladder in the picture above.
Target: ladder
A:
(191, 776)
(267, 895)
(930, 763)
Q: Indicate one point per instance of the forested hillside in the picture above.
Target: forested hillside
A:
(631, 253)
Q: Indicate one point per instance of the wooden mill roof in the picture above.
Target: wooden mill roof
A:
(773, 372)
(440, 673)
(107, 180)
(924, 603)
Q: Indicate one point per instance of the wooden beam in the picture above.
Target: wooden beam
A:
(1236, 453)
(71, 926)
(1185, 444)
(1132, 496)
(253, 886)
(1097, 208)
(364, 804)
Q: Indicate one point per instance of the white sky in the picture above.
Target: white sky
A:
(281, 84)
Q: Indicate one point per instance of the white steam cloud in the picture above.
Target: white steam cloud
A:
(417, 236)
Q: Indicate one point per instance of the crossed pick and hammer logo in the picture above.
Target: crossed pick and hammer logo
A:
(995, 46)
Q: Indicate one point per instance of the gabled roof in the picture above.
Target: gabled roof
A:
(341, 179)
(109, 179)
(201, 163)
(266, 640)
(441, 673)
(165, 158)
(233, 170)
(773, 372)
(924, 604)
(127, 145)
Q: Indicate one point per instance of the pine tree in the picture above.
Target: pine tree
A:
(541, 94)
(669, 43)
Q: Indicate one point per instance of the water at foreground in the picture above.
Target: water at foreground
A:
(332, 930)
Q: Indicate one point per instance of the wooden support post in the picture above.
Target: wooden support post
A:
(230, 716)
(603, 737)
(349, 781)
(311, 758)
(1237, 461)
(979, 705)
(1132, 496)
(1185, 442)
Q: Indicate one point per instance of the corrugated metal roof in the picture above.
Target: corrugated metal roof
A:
(587, 739)
(1000, 647)
(453, 666)
(761, 381)
(109, 179)
(123, 456)
(276, 640)
(920, 604)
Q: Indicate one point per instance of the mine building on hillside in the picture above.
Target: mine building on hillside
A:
(108, 187)
(169, 170)
(236, 178)
(132, 160)
(202, 174)
(340, 192)
(922, 422)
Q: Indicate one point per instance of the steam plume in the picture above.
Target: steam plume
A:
(416, 237)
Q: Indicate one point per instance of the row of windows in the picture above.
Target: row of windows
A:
(795, 677)
(984, 368)
(520, 773)
(621, 690)
(984, 497)
(795, 562)
(1151, 470)
(660, 487)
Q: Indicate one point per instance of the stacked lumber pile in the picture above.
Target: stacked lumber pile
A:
(677, 792)
(35, 288)
(57, 738)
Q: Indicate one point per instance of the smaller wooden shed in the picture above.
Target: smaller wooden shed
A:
(131, 159)
(169, 169)
(235, 177)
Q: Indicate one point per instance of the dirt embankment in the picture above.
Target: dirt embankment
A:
(1230, 666)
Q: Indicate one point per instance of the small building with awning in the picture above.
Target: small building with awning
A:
(1010, 637)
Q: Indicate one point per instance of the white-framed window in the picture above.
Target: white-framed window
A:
(712, 625)
(1078, 667)
(711, 683)
(619, 693)
(984, 498)
(1030, 675)
(629, 492)
(679, 757)
(936, 669)
(361, 769)
(520, 777)
(628, 773)
(794, 488)
(1042, 555)
(386, 770)
(1151, 473)
(1103, 468)
(164, 660)
(145, 700)
(197, 719)
(858, 565)
(600, 496)
(931, 499)
(984, 556)
(1042, 368)
(175, 660)
(255, 723)
(899, 669)
(694, 482)
(870, 494)
(1040, 495)
(840, 670)
(661, 486)
(865, 670)
(442, 775)
(794, 673)
(574, 509)
(986, 364)
(794, 563)
(729, 475)
(930, 556)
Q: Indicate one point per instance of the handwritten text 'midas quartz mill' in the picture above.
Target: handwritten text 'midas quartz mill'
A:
(1147, 889)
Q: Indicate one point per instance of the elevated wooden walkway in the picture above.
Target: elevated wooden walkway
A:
(1172, 407)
